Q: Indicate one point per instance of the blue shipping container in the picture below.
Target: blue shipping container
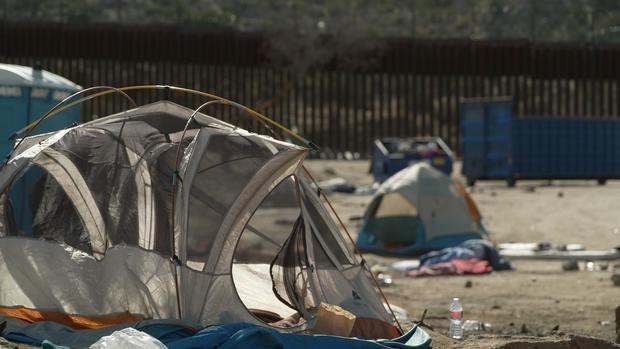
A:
(498, 145)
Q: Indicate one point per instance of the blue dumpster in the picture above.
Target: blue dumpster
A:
(25, 95)
(392, 154)
(496, 144)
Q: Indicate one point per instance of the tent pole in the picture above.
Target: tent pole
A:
(356, 249)
(363, 263)
(58, 108)
(176, 178)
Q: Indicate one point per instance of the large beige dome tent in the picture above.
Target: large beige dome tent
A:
(416, 210)
(145, 214)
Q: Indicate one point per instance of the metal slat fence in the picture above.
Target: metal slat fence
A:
(410, 88)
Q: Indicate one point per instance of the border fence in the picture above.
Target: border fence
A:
(404, 88)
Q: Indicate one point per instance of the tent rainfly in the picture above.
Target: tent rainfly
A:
(416, 210)
(245, 231)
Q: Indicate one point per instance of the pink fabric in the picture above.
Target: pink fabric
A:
(453, 267)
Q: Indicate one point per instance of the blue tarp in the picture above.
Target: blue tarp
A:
(181, 335)
(18, 331)
(242, 335)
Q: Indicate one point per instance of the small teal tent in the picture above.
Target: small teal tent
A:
(26, 94)
(416, 210)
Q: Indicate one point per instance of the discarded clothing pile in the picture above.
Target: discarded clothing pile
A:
(176, 334)
(471, 257)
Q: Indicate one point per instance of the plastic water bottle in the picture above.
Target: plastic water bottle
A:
(456, 319)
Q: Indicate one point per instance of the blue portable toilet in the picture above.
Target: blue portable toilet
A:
(26, 94)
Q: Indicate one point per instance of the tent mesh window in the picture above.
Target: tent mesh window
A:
(270, 226)
(101, 186)
(47, 213)
(291, 272)
(325, 231)
(268, 231)
(224, 170)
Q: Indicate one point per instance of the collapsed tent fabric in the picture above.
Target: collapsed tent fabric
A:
(419, 209)
(103, 235)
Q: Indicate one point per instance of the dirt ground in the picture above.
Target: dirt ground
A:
(537, 301)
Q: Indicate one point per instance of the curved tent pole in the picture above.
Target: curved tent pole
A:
(359, 253)
(363, 261)
(250, 111)
(176, 179)
(26, 131)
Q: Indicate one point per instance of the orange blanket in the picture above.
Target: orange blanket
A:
(74, 321)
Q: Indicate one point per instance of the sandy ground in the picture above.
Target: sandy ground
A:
(524, 305)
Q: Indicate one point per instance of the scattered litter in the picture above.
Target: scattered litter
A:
(555, 328)
(400, 313)
(604, 322)
(560, 194)
(333, 320)
(366, 189)
(384, 279)
(616, 279)
(355, 218)
(540, 246)
(548, 251)
(128, 338)
(570, 265)
(456, 319)
(453, 267)
(473, 326)
(379, 268)
(330, 171)
(468, 284)
(496, 306)
(406, 265)
(4, 344)
(338, 184)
